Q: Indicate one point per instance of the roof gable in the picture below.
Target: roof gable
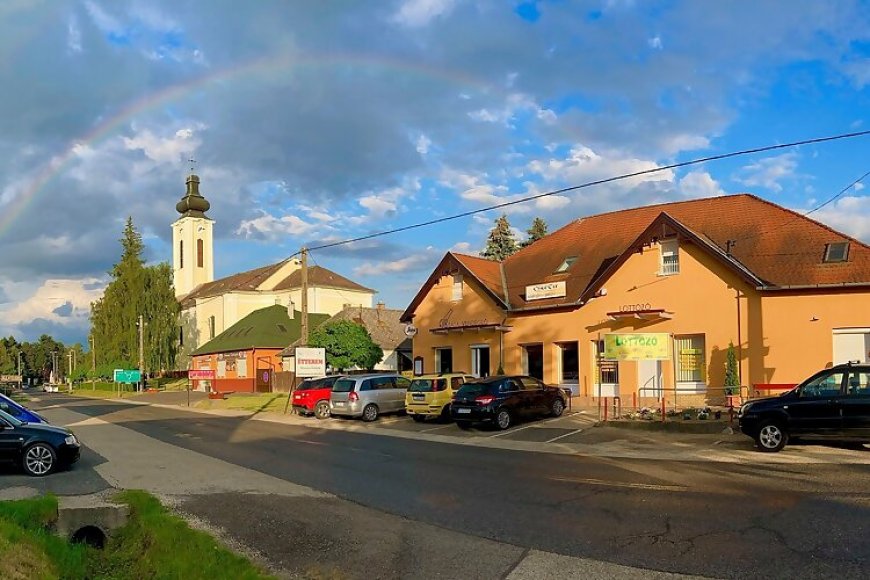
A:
(269, 327)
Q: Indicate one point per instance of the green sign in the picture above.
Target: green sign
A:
(127, 376)
(638, 346)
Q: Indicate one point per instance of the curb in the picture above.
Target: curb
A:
(694, 427)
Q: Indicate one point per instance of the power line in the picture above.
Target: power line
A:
(621, 177)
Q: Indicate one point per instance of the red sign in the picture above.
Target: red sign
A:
(200, 375)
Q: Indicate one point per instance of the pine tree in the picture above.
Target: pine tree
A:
(501, 242)
(537, 231)
(732, 377)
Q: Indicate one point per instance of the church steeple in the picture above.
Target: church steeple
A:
(193, 204)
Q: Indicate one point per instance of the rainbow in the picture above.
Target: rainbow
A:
(15, 208)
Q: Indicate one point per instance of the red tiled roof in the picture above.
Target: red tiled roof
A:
(778, 246)
(319, 276)
(485, 270)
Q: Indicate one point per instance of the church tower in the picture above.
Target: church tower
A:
(192, 245)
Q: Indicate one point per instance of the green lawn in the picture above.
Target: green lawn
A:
(153, 544)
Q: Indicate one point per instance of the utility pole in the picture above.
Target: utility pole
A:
(141, 353)
(69, 368)
(304, 323)
(20, 376)
(93, 364)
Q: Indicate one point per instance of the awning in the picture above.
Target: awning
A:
(654, 314)
(470, 327)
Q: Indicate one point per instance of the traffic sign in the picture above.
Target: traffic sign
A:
(10, 378)
(127, 376)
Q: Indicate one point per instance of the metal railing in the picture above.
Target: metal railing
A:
(670, 265)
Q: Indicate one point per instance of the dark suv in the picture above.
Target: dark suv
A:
(501, 400)
(832, 404)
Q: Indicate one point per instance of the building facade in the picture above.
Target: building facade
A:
(209, 306)
(791, 295)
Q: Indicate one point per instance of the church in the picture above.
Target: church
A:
(210, 306)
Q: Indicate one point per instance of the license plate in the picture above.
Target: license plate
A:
(463, 411)
(339, 403)
(418, 397)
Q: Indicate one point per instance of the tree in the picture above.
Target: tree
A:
(537, 231)
(135, 289)
(501, 242)
(347, 345)
(732, 377)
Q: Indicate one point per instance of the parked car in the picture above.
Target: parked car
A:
(312, 396)
(832, 404)
(431, 395)
(502, 400)
(368, 396)
(50, 388)
(19, 411)
(38, 448)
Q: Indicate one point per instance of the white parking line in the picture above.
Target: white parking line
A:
(509, 431)
(575, 431)
(437, 428)
(621, 484)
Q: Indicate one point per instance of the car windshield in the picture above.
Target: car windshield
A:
(473, 389)
(343, 386)
(421, 385)
(10, 419)
(308, 385)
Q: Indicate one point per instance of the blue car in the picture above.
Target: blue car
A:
(19, 411)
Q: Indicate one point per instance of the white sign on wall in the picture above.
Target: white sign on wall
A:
(310, 362)
(546, 290)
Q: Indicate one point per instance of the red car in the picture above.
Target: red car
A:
(312, 396)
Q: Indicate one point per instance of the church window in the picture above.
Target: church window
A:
(199, 252)
(181, 253)
(210, 327)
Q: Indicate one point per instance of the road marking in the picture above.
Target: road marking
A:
(601, 482)
(509, 431)
(574, 432)
(321, 443)
(437, 428)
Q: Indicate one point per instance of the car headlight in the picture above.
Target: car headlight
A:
(71, 440)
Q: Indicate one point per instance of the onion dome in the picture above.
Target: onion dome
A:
(193, 204)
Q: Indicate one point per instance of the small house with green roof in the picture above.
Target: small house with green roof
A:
(245, 356)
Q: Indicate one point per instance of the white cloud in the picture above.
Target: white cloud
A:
(414, 262)
(700, 184)
(858, 186)
(418, 13)
(62, 301)
(583, 164)
(461, 248)
(423, 143)
(513, 104)
(655, 42)
(74, 35)
(769, 172)
(849, 214)
(383, 204)
(102, 19)
(273, 228)
(170, 149)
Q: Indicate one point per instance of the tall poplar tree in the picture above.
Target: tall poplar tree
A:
(537, 231)
(501, 242)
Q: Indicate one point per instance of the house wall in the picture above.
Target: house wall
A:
(773, 335)
(233, 380)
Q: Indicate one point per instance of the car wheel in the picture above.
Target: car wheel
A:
(503, 419)
(771, 437)
(445, 414)
(321, 411)
(418, 418)
(39, 459)
(464, 425)
(557, 408)
(370, 413)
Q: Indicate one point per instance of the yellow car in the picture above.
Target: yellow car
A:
(430, 395)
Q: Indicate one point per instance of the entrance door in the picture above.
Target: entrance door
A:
(480, 361)
(649, 378)
(443, 360)
(534, 360)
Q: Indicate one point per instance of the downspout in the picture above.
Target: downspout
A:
(739, 342)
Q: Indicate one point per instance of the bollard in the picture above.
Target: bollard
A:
(605, 408)
(664, 409)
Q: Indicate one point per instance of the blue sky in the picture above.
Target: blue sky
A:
(321, 121)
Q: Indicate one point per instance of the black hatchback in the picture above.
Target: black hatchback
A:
(39, 448)
(502, 400)
(833, 404)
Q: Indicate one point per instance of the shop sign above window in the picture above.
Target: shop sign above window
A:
(637, 346)
(546, 290)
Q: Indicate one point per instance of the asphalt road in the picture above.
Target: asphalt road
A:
(711, 519)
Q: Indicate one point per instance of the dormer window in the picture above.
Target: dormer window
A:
(566, 264)
(837, 252)
(456, 294)
(670, 255)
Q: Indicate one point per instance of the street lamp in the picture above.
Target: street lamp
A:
(20, 377)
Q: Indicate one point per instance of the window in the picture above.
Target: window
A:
(242, 368)
(533, 360)
(457, 288)
(689, 351)
(443, 360)
(566, 264)
(180, 336)
(456, 382)
(569, 362)
(210, 327)
(827, 385)
(402, 382)
(606, 371)
(531, 384)
(480, 361)
(859, 384)
(837, 252)
(670, 250)
(181, 253)
(199, 252)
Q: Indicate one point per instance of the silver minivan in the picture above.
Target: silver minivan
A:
(368, 396)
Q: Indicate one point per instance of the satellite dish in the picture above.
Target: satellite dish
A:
(410, 330)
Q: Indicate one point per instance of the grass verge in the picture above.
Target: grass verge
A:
(256, 403)
(153, 544)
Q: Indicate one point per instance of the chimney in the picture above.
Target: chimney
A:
(291, 309)
(381, 305)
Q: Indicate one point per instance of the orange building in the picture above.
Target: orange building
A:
(791, 294)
